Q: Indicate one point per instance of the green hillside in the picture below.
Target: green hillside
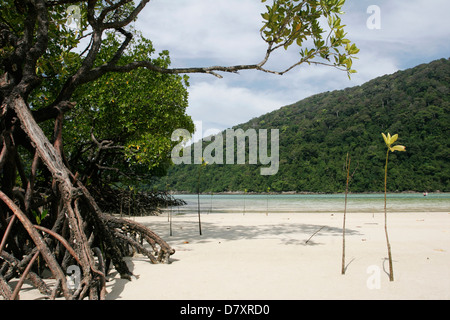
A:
(316, 133)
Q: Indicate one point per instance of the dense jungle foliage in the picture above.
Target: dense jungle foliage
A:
(316, 134)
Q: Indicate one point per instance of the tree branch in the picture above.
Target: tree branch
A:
(127, 20)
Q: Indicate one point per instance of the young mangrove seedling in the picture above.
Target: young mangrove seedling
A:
(389, 141)
(204, 163)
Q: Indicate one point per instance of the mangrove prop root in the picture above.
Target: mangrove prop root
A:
(46, 213)
(74, 231)
(128, 236)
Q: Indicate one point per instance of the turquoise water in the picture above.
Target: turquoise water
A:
(403, 202)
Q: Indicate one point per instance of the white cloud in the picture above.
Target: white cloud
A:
(219, 30)
(411, 32)
(220, 105)
(226, 32)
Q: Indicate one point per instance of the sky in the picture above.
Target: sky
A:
(202, 33)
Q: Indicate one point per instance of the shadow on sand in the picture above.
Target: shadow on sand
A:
(288, 233)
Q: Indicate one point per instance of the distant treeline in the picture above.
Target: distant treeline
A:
(316, 134)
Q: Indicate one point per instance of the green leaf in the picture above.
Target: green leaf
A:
(44, 214)
(398, 148)
(394, 138)
(385, 138)
(36, 217)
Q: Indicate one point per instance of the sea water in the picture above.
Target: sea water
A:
(291, 203)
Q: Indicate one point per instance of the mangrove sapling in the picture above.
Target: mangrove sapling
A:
(204, 163)
(170, 221)
(39, 216)
(389, 141)
(211, 202)
(169, 214)
(347, 168)
(245, 193)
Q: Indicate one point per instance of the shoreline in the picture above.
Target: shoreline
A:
(303, 193)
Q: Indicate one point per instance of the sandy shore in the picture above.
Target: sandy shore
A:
(259, 257)
(254, 256)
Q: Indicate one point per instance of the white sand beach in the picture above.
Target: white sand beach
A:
(257, 256)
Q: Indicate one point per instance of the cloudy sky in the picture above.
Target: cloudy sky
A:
(226, 32)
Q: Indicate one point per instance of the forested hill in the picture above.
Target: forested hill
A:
(316, 133)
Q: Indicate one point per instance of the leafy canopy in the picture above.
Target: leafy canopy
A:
(138, 110)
